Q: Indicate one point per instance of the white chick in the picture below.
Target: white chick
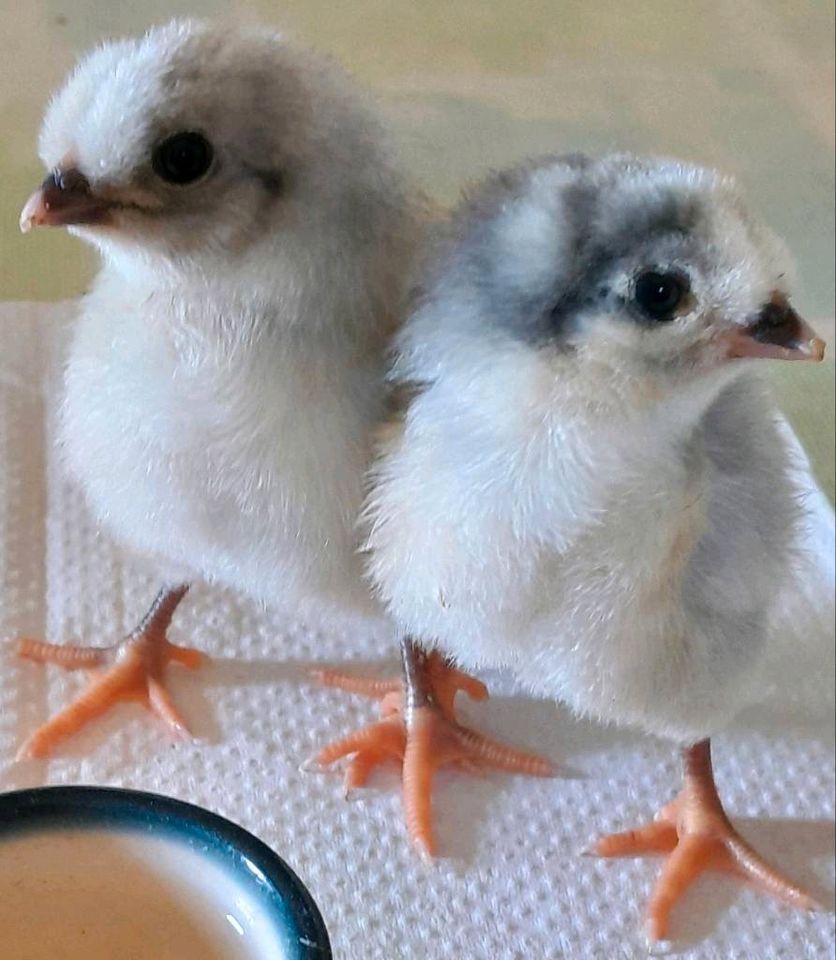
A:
(228, 364)
(586, 485)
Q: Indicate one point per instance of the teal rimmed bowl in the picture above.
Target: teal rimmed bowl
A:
(210, 870)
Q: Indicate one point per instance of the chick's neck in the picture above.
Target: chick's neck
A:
(246, 299)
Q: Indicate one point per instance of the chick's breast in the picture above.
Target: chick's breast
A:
(630, 576)
(245, 469)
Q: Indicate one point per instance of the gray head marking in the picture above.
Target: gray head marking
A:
(641, 264)
(592, 221)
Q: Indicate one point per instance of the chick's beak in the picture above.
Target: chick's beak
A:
(64, 198)
(777, 333)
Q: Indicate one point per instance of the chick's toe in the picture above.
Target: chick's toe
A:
(131, 670)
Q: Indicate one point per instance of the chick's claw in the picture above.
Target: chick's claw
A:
(422, 740)
(132, 670)
(696, 835)
(366, 749)
(433, 741)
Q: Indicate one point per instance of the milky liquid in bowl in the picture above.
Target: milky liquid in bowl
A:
(92, 894)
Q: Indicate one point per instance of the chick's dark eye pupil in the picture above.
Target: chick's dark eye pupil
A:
(182, 158)
(659, 294)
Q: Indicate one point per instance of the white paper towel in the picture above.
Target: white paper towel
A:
(511, 884)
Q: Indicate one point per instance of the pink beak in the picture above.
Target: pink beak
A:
(64, 198)
(778, 333)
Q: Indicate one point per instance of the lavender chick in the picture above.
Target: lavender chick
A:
(586, 483)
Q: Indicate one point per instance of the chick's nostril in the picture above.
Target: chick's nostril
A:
(777, 323)
(67, 180)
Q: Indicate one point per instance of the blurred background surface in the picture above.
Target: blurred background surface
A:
(743, 85)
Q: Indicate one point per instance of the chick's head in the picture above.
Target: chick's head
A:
(199, 138)
(627, 270)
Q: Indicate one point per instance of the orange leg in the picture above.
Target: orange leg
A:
(695, 833)
(130, 670)
(419, 729)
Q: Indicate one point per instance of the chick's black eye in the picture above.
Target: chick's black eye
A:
(182, 158)
(659, 295)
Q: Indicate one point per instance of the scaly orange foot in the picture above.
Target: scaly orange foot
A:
(128, 671)
(422, 739)
(695, 833)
